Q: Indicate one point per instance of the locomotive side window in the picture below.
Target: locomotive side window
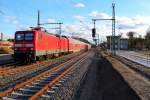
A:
(19, 36)
(29, 36)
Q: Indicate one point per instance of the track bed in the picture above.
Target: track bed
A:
(52, 82)
(103, 82)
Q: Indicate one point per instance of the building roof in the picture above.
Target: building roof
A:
(6, 43)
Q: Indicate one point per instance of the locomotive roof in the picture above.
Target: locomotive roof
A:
(76, 41)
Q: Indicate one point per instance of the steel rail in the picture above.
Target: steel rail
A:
(53, 82)
(32, 79)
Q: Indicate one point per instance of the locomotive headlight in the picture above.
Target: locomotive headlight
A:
(31, 48)
(15, 48)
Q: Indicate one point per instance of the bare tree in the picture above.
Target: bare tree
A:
(147, 38)
(131, 35)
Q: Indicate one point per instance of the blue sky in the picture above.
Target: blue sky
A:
(19, 14)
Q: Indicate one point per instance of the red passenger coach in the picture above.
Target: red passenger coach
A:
(37, 44)
(64, 45)
(76, 45)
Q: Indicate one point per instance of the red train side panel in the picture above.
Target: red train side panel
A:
(36, 43)
(46, 44)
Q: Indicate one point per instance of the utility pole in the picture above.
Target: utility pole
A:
(60, 28)
(1, 37)
(60, 36)
(98, 41)
(38, 21)
(113, 27)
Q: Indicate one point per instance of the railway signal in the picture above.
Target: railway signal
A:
(93, 32)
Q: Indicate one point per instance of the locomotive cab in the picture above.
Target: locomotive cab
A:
(24, 46)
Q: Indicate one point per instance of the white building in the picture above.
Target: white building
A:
(120, 43)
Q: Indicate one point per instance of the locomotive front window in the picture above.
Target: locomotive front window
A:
(19, 36)
(29, 36)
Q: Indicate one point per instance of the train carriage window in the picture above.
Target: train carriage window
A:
(19, 36)
(29, 36)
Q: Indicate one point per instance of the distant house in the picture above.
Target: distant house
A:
(6, 47)
(6, 44)
(120, 43)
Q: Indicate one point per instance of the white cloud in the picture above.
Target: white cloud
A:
(50, 20)
(71, 28)
(79, 18)
(138, 24)
(14, 21)
(82, 29)
(11, 20)
(125, 24)
(79, 5)
(96, 14)
(78, 30)
(134, 22)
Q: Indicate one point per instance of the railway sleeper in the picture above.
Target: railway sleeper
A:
(38, 85)
(61, 90)
(32, 87)
(50, 92)
(26, 91)
(42, 83)
(47, 97)
(57, 88)
(15, 95)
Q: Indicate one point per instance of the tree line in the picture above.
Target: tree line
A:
(138, 42)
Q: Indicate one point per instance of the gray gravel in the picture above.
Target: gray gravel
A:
(105, 83)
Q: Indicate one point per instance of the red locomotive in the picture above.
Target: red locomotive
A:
(36, 44)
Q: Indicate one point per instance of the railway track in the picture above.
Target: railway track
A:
(6, 62)
(145, 71)
(140, 68)
(15, 65)
(145, 61)
(12, 76)
(8, 66)
(50, 79)
(14, 68)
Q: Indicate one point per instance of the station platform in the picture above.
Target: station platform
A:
(5, 58)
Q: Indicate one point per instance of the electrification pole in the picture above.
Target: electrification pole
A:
(113, 28)
(38, 21)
